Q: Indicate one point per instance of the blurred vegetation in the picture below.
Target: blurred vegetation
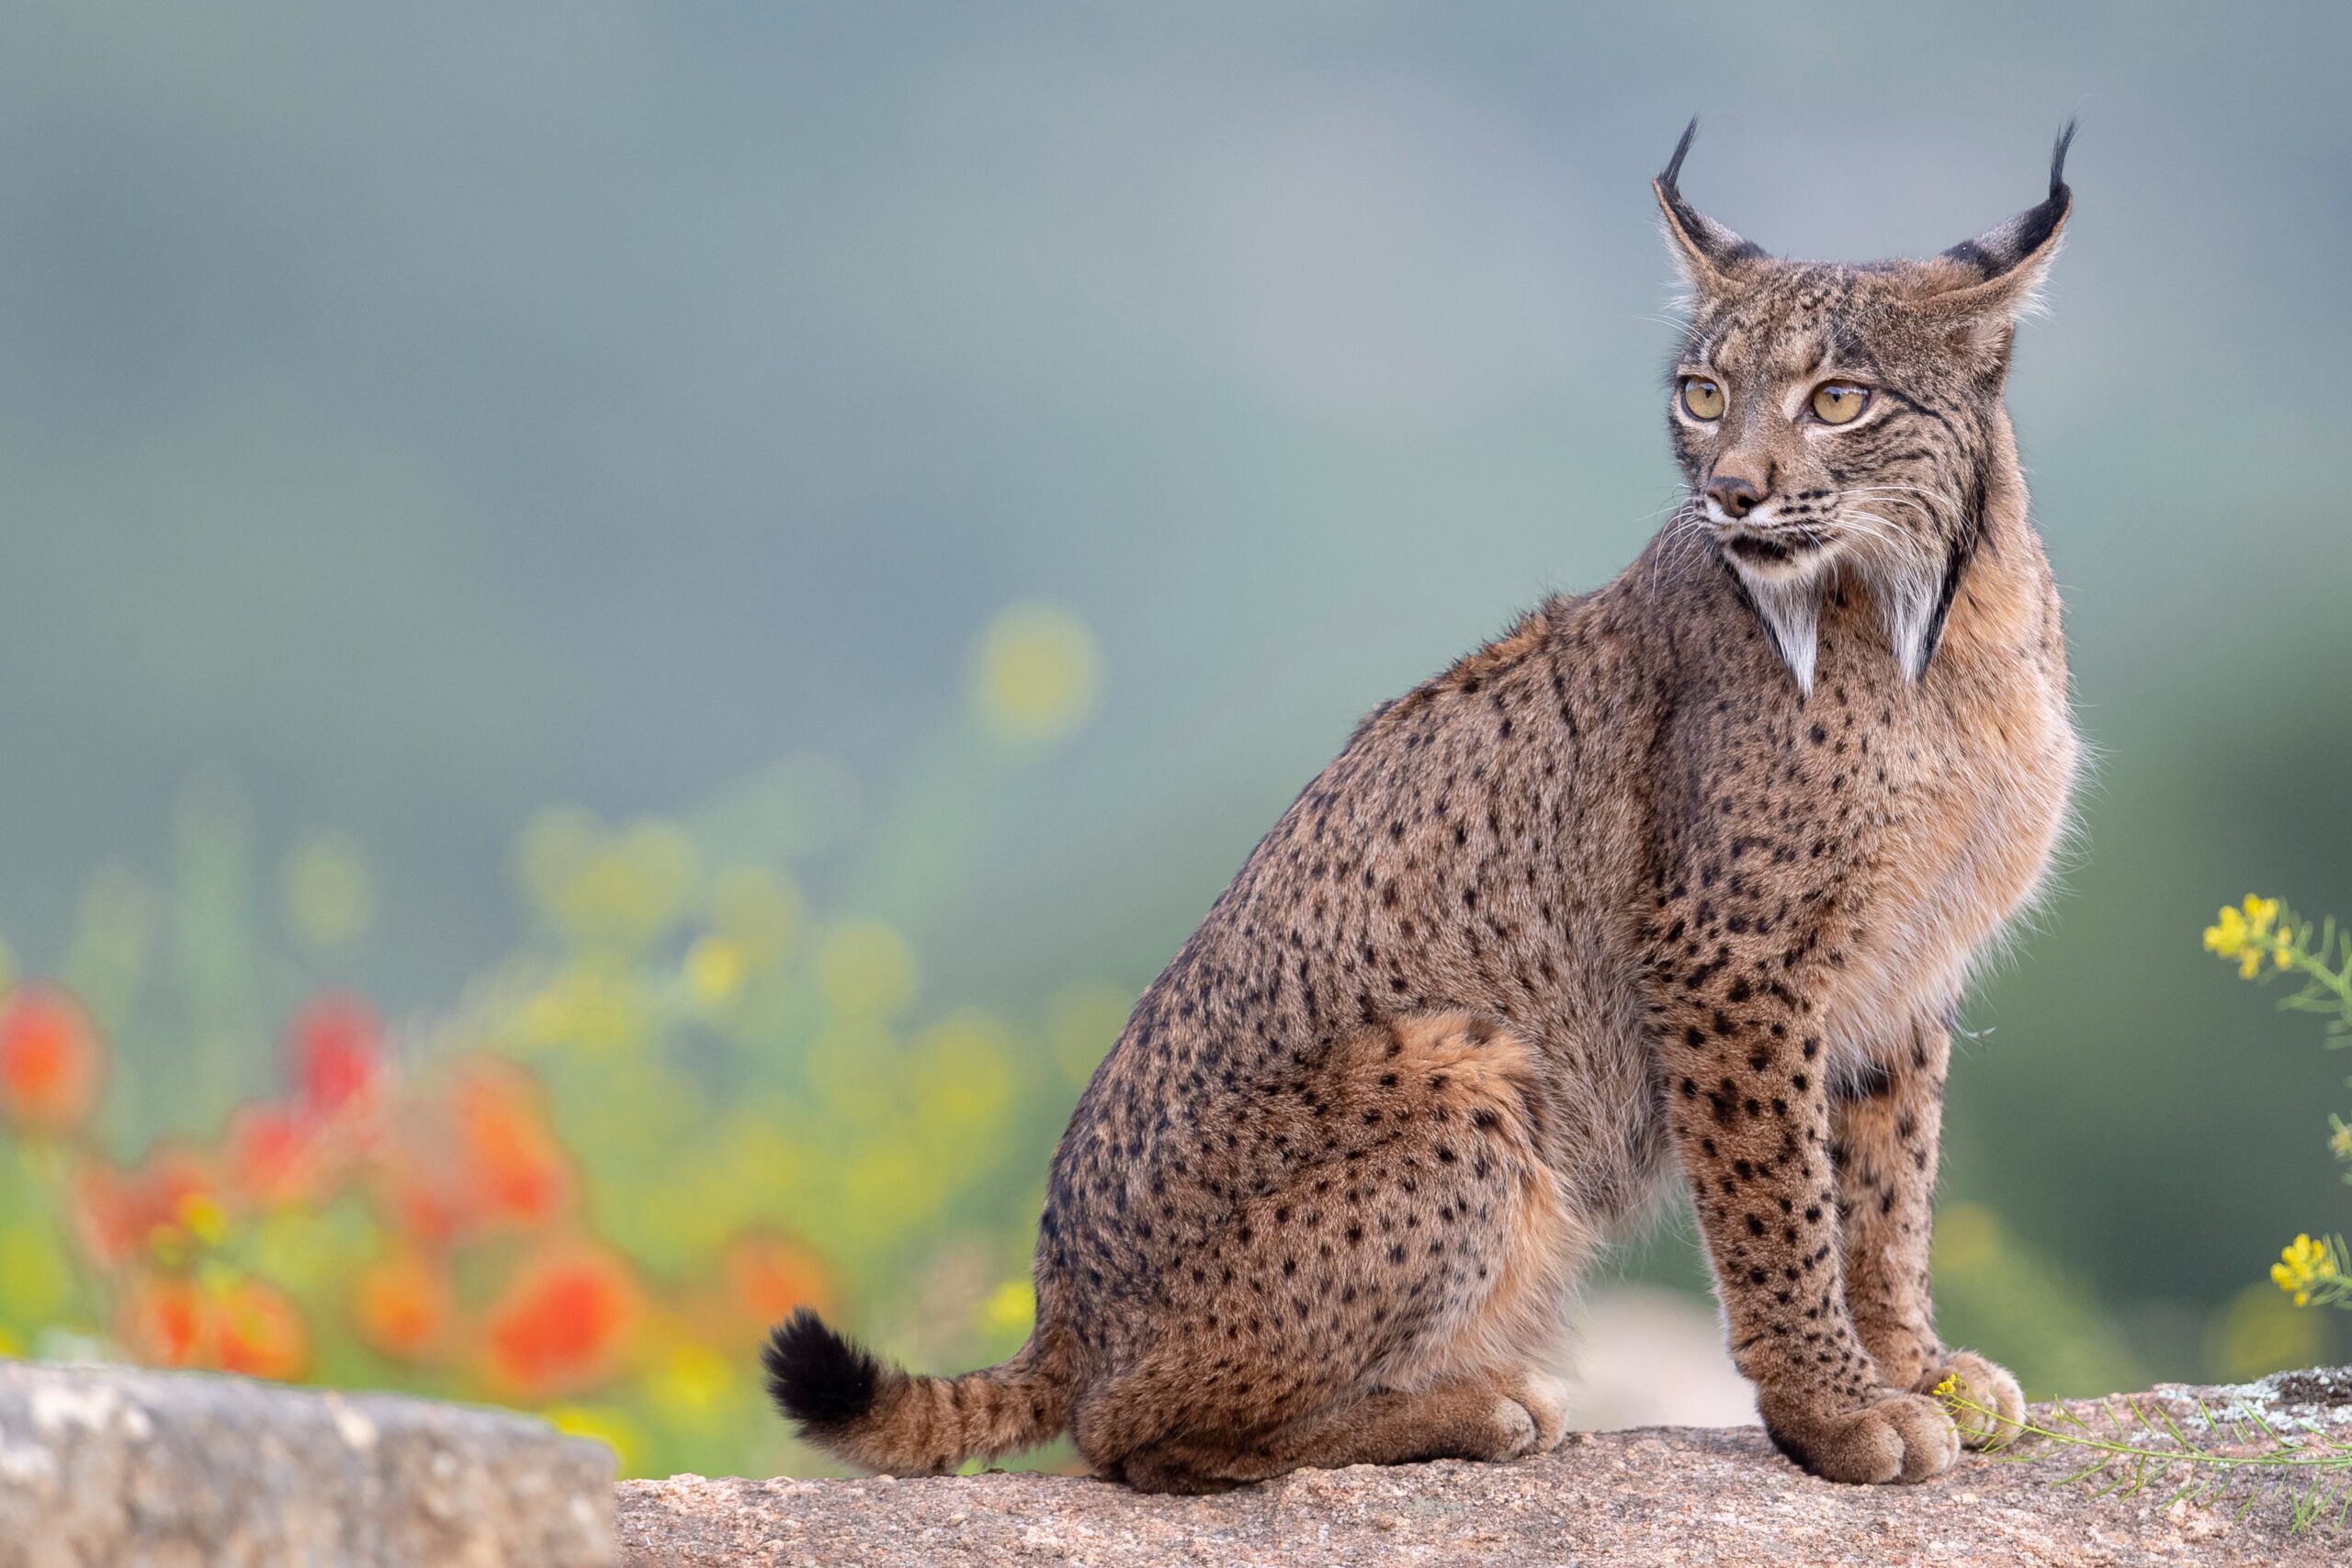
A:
(2265, 939)
(692, 1098)
(690, 1101)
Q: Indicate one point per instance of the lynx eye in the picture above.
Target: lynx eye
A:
(1703, 398)
(1839, 402)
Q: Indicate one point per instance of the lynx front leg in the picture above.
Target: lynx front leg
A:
(1884, 1131)
(1751, 1118)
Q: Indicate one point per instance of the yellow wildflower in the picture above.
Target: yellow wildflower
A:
(689, 1381)
(2226, 936)
(714, 971)
(2303, 1264)
(1036, 673)
(203, 1218)
(1950, 1386)
(1010, 1308)
(601, 1423)
(2247, 934)
(2339, 1142)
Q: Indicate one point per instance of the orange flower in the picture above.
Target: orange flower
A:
(118, 1212)
(513, 1167)
(338, 1045)
(53, 1062)
(402, 1305)
(770, 1276)
(479, 1155)
(243, 1327)
(167, 1323)
(562, 1323)
(260, 1332)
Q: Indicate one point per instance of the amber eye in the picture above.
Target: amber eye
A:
(1703, 398)
(1838, 402)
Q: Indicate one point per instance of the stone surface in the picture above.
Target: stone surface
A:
(172, 1470)
(1659, 1495)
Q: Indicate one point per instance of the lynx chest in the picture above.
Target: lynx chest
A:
(1972, 796)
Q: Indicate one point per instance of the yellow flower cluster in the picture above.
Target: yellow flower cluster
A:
(2304, 1265)
(2250, 935)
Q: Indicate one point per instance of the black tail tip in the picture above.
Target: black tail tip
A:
(816, 1377)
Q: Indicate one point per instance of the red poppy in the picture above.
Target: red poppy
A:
(562, 1323)
(338, 1048)
(53, 1062)
(274, 1155)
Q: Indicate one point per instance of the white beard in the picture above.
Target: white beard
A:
(1908, 602)
(1908, 597)
(1790, 609)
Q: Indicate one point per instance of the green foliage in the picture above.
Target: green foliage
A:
(700, 1093)
(2264, 938)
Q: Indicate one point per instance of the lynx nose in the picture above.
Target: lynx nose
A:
(1735, 493)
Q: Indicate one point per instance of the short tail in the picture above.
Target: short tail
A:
(875, 1415)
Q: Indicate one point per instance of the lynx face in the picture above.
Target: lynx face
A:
(1837, 422)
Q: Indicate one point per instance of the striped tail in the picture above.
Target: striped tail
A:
(859, 1409)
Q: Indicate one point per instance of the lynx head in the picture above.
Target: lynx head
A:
(1840, 422)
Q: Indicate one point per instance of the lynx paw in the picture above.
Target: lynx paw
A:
(1545, 1399)
(1979, 1382)
(1514, 1430)
(1903, 1436)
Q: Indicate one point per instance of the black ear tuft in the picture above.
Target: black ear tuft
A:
(1706, 245)
(2036, 224)
(2057, 162)
(815, 1376)
(1672, 179)
(2026, 235)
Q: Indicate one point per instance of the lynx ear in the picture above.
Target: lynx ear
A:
(1994, 275)
(1703, 248)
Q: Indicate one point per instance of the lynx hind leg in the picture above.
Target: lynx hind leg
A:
(1495, 1417)
(1381, 1299)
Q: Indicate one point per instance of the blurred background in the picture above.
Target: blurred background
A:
(624, 633)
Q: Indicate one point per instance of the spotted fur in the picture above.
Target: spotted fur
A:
(1684, 877)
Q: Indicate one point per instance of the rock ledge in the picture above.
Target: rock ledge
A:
(106, 1465)
(1660, 1495)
